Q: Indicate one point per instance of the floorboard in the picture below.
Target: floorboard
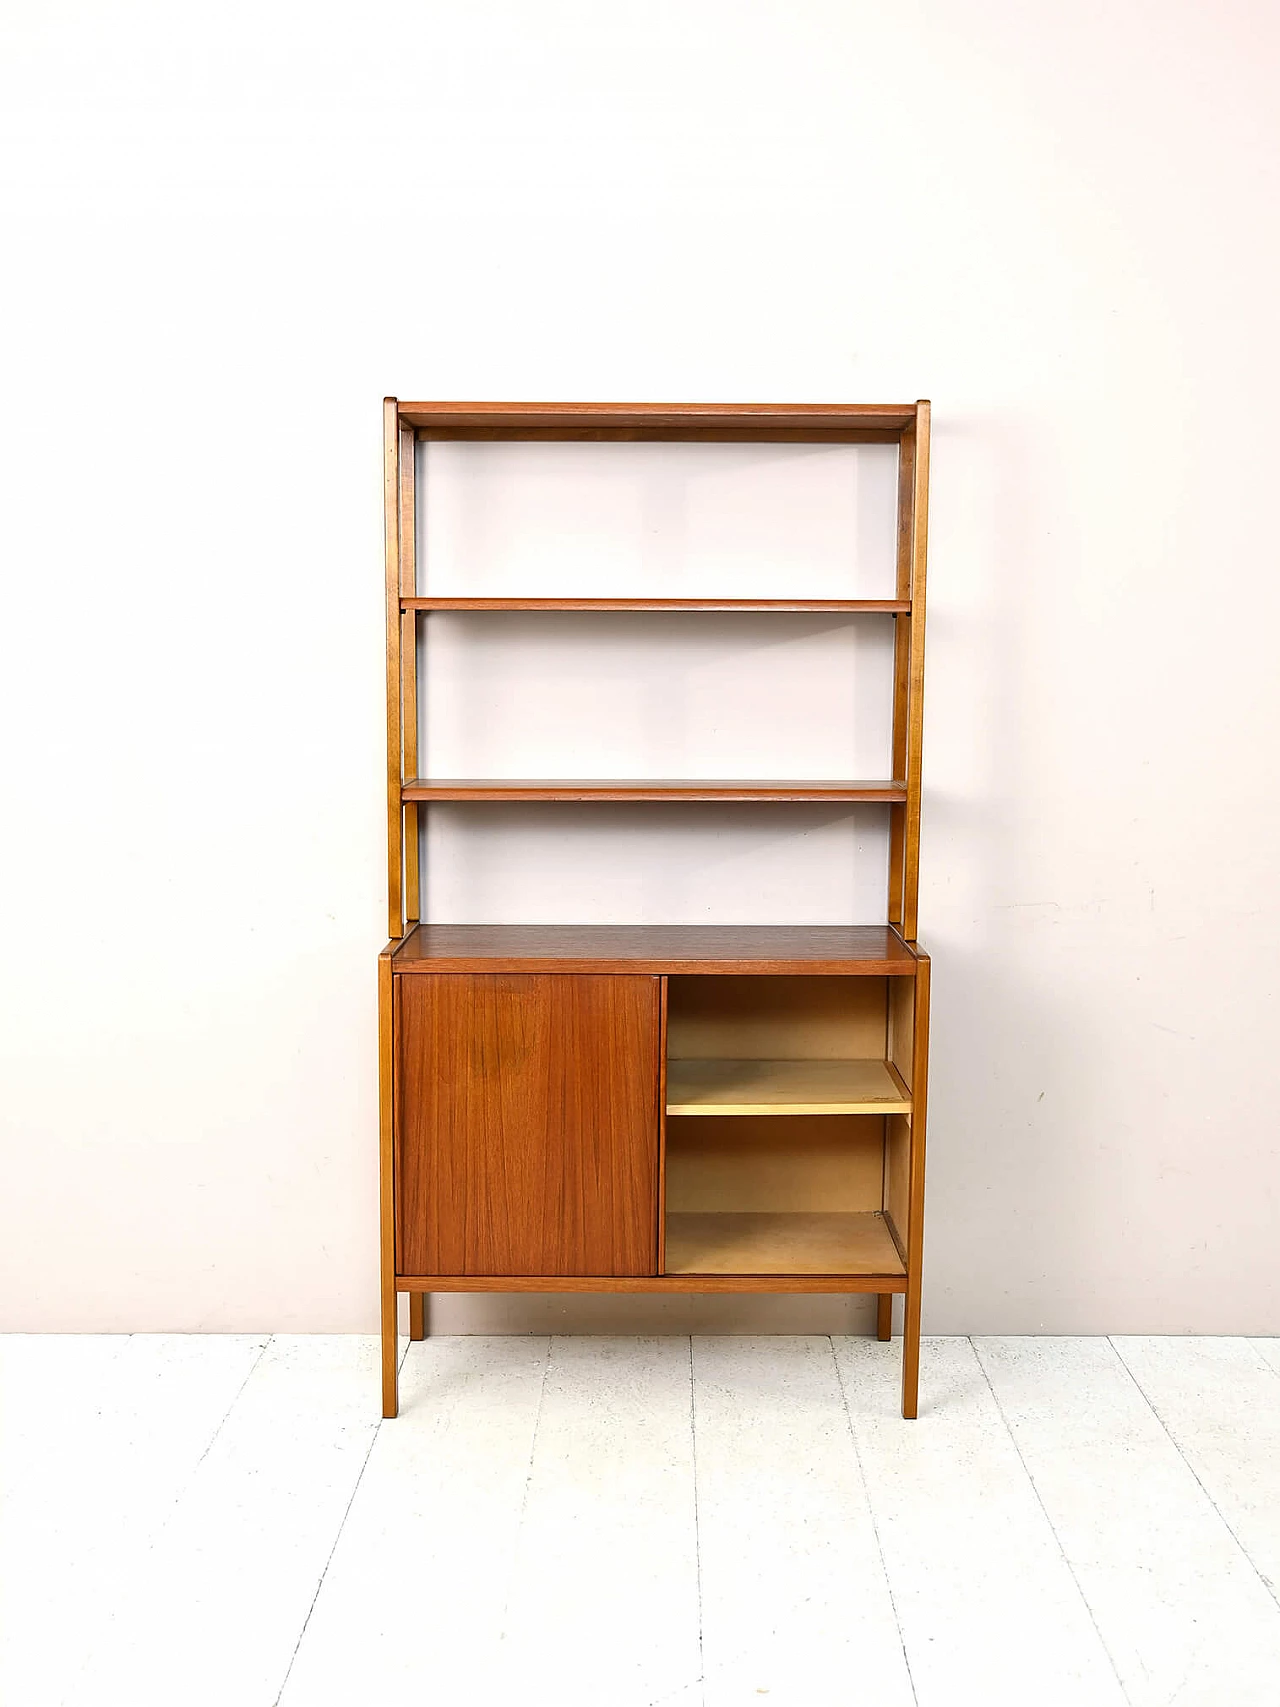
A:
(232, 1573)
(1219, 1402)
(411, 1607)
(1182, 1612)
(99, 1437)
(639, 1523)
(988, 1606)
(796, 1608)
(604, 1581)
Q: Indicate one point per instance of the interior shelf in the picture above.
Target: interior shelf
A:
(870, 607)
(807, 1242)
(785, 1087)
(637, 788)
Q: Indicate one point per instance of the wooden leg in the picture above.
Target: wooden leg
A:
(911, 1349)
(915, 1218)
(390, 1355)
(386, 1088)
(417, 1315)
(884, 1315)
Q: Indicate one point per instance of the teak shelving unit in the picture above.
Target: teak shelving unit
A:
(653, 1108)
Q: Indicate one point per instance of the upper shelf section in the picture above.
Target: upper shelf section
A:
(807, 423)
(642, 788)
(799, 607)
(868, 950)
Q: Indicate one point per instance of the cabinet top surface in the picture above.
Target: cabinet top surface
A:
(865, 949)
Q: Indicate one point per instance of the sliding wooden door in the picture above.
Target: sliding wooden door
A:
(528, 1124)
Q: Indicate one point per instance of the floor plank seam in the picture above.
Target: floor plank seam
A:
(1053, 1530)
(524, 1498)
(1213, 1504)
(222, 1423)
(697, 1538)
(364, 1465)
(875, 1525)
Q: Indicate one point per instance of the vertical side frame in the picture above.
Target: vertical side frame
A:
(901, 667)
(409, 730)
(387, 1185)
(915, 1214)
(395, 755)
(409, 663)
(661, 1247)
(915, 673)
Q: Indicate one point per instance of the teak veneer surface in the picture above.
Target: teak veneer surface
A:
(783, 1087)
(869, 950)
(809, 1242)
(648, 788)
(527, 1138)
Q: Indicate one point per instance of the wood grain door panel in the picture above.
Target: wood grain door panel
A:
(527, 1137)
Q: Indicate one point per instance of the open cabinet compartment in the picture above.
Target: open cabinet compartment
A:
(787, 1127)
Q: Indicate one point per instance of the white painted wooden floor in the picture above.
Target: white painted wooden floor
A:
(619, 1522)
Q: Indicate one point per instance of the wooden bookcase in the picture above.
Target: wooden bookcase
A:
(653, 1108)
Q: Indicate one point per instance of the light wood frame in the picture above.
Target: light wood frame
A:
(415, 947)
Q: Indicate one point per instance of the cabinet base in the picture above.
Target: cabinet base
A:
(883, 1286)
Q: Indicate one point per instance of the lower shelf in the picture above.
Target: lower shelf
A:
(809, 1242)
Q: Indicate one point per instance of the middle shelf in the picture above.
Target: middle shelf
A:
(785, 1087)
(798, 607)
(420, 789)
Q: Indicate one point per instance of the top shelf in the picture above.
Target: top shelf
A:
(760, 423)
(846, 607)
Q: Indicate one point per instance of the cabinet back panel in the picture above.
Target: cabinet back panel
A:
(776, 1019)
(753, 1163)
